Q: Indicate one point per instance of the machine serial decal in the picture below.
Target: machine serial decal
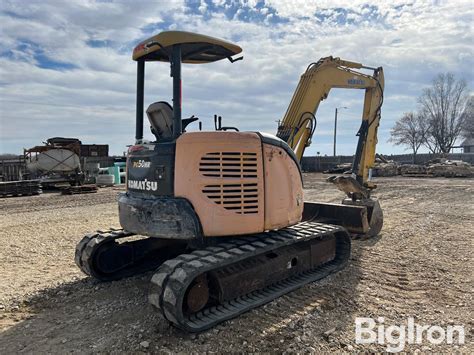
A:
(356, 82)
(141, 164)
(143, 185)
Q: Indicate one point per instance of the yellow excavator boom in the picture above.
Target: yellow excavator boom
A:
(298, 124)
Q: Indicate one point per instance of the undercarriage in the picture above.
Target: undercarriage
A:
(197, 288)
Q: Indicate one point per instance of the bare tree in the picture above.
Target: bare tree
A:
(442, 108)
(429, 140)
(468, 121)
(410, 131)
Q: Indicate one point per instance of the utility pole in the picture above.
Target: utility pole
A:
(335, 127)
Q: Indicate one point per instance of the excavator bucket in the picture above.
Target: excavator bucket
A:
(358, 196)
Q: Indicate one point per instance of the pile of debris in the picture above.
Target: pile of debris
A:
(450, 168)
(384, 167)
(440, 167)
(20, 188)
(412, 170)
(339, 169)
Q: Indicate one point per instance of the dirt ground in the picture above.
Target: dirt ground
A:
(421, 266)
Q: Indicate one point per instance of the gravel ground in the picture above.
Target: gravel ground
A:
(421, 266)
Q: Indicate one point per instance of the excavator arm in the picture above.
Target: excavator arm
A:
(298, 125)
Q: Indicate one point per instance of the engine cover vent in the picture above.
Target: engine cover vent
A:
(241, 198)
(241, 165)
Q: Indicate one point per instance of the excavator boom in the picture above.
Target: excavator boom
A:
(298, 124)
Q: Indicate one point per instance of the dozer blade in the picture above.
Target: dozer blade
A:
(360, 217)
(352, 218)
(374, 213)
(369, 224)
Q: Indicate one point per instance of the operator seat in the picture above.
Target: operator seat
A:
(160, 115)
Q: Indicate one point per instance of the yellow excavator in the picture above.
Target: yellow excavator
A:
(220, 215)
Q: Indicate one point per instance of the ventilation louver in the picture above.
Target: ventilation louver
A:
(240, 198)
(240, 191)
(229, 165)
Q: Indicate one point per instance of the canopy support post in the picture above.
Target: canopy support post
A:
(176, 74)
(140, 99)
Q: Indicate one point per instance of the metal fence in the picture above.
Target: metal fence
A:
(12, 169)
(320, 163)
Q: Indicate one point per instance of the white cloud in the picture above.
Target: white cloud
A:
(95, 100)
(202, 7)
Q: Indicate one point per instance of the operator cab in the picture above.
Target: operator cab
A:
(175, 47)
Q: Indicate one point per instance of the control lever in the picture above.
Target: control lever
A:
(187, 121)
(228, 128)
(218, 125)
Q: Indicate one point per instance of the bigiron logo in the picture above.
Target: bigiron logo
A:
(367, 331)
(141, 164)
(143, 185)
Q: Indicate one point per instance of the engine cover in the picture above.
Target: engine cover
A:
(209, 184)
(238, 182)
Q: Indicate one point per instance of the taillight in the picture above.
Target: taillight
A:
(135, 148)
(139, 48)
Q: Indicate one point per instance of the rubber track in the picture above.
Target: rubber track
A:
(173, 277)
(86, 248)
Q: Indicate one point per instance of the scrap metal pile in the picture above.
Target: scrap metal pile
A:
(20, 188)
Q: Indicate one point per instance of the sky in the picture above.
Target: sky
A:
(66, 67)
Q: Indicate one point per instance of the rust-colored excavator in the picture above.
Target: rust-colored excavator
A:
(220, 215)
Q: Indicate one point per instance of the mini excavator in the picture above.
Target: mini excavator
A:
(220, 215)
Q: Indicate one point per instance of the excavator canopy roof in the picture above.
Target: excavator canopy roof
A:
(195, 48)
